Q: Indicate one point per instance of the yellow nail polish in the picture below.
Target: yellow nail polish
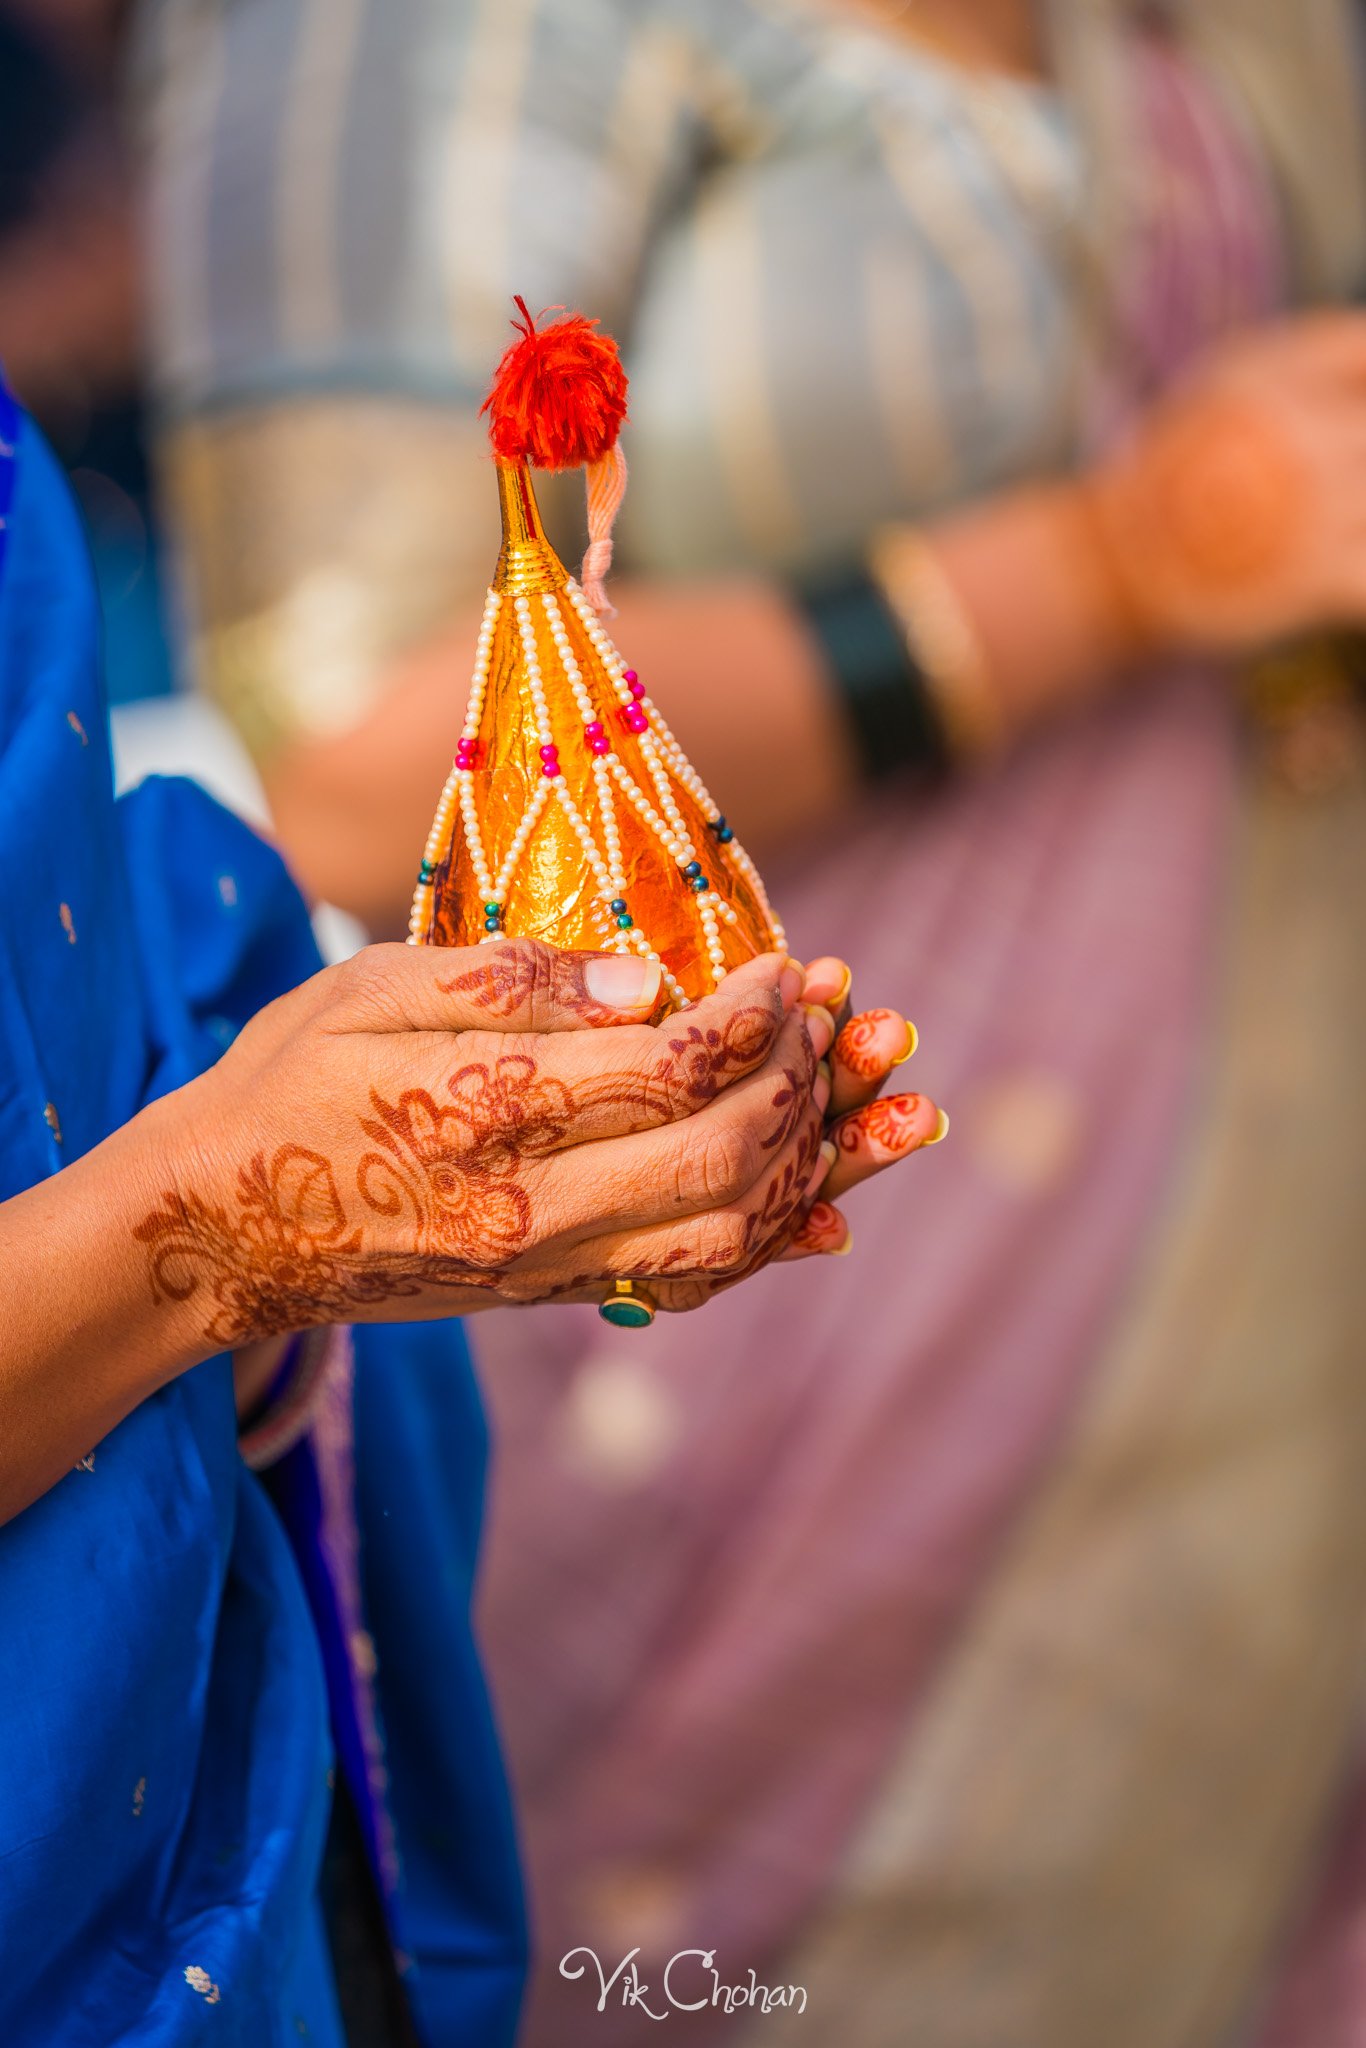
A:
(825, 1071)
(830, 1151)
(842, 1251)
(941, 1130)
(792, 961)
(912, 1041)
(841, 995)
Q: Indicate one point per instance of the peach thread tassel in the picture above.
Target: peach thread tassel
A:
(606, 481)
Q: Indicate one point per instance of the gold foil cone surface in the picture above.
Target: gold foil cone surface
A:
(553, 892)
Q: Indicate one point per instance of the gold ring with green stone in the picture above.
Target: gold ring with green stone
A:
(628, 1306)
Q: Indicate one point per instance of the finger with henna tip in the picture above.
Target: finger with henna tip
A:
(864, 1054)
(880, 1134)
(823, 1233)
(828, 982)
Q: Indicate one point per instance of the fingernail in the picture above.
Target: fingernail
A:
(825, 1159)
(623, 981)
(791, 982)
(941, 1130)
(824, 1067)
(841, 995)
(842, 1251)
(820, 1026)
(912, 1041)
(820, 1088)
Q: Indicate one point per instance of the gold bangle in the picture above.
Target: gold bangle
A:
(943, 641)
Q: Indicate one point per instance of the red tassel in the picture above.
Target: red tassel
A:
(559, 395)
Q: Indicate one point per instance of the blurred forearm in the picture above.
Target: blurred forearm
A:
(742, 682)
(730, 664)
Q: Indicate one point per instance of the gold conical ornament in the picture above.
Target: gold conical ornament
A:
(571, 813)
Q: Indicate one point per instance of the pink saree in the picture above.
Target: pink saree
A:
(732, 1558)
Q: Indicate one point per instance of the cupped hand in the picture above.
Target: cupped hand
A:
(426, 1131)
(866, 1130)
(1236, 513)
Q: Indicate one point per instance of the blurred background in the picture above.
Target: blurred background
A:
(970, 1632)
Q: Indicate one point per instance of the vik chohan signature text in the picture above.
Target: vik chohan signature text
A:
(690, 1983)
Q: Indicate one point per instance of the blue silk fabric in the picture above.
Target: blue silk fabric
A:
(164, 1713)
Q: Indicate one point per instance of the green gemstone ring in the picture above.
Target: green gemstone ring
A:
(627, 1306)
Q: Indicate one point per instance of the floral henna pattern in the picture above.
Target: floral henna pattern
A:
(782, 1199)
(699, 1063)
(288, 1251)
(857, 1045)
(790, 1100)
(286, 1258)
(455, 1167)
(891, 1126)
(289, 1254)
(507, 978)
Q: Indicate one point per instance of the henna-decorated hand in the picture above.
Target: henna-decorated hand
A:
(869, 1130)
(1237, 512)
(421, 1132)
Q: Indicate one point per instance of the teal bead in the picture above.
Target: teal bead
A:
(625, 921)
(627, 1314)
(492, 909)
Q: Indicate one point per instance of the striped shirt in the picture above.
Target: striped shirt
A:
(843, 272)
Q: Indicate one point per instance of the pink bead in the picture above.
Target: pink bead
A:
(637, 690)
(551, 769)
(600, 745)
(550, 753)
(636, 719)
(628, 675)
(594, 731)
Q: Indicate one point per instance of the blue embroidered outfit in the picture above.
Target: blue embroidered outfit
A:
(165, 1754)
